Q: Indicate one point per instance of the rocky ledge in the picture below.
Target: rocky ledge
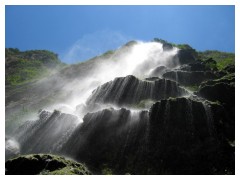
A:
(44, 164)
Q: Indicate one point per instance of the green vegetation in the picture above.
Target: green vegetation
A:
(108, 53)
(180, 46)
(228, 79)
(160, 40)
(192, 88)
(44, 164)
(130, 43)
(27, 66)
(106, 170)
(146, 103)
(223, 59)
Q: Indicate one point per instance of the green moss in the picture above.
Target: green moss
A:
(229, 79)
(108, 53)
(192, 88)
(146, 103)
(183, 46)
(180, 46)
(106, 170)
(44, 164)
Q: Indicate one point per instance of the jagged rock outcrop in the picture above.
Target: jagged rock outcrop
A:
(196, 66)
(189, 78)
(130, 91)
(222, 89)
(44, 164)
(186, 56)
(222, 92)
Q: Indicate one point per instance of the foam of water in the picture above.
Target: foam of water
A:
(139, 60)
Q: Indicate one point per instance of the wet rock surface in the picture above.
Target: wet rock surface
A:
(189, 77)
(130, 90)
(177, 136)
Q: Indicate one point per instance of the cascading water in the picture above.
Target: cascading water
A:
(139, 60)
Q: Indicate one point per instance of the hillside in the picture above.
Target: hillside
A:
(223, 59)
(145, 108)
(26, 66)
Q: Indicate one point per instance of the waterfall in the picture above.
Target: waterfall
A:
(129, 110)
(47, 134)
(103, 88)
(210, 120)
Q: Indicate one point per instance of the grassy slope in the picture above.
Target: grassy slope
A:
(222, 58)
(27, 66)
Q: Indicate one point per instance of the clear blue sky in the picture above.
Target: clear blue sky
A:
(80, 32)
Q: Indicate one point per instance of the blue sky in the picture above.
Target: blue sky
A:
(77, 33)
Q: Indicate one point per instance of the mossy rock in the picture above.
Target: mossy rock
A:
(44, 164)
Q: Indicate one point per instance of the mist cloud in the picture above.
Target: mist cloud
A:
(91, 45)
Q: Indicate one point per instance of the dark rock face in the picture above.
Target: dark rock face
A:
(43, 164)
(167, 46)
(222, 92)
(186, 56)
(196, 66)
(187, 138)
(130, 90)
(230, 69)
(177, 136)
(189, 78)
